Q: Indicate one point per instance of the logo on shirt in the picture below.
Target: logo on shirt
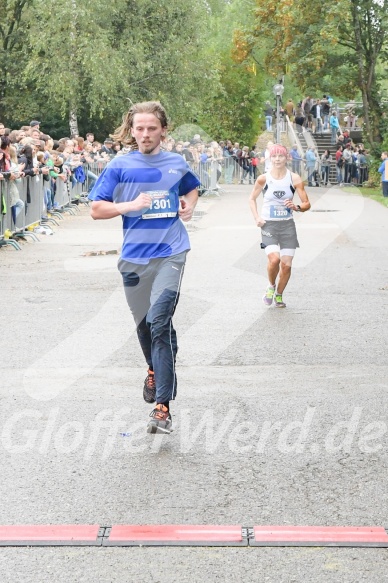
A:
(279, 193)
(171, 171)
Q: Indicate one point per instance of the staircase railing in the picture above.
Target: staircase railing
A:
(309, 139)
(293, 137)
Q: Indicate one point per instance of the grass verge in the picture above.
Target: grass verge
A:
(373, 193)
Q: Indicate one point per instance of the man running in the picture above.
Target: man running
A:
(276, 221)
(152, 190)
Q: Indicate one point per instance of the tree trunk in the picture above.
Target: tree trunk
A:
(366, 72)
(3, 82)
(361, 71)
(375, 108)
(3, 112)
(73, 123)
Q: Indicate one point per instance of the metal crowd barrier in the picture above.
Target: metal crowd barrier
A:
(6, 218)
(231, 171)
(66, 195)
(33, 192)
(92, 172)
(207, 174)
(34, 196)
(61, 194)
(221, 171)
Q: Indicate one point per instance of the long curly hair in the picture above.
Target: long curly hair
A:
(123, 133)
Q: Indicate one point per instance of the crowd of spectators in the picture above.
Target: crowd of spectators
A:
(30, 152)
(242, 164)
(351, 162)
(237, 163)
(319, 116)
(312, 114)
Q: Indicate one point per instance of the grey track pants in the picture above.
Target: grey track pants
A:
(152, 293)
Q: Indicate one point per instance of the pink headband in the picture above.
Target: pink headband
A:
(278, 149)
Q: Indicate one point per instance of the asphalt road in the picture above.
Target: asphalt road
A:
(281, 416)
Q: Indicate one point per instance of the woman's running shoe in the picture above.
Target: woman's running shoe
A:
(278, 301)
(269, 294)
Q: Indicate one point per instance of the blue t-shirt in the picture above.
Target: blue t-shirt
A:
(382, 170)
(157, 231)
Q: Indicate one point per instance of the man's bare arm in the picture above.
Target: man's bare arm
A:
(103, 209)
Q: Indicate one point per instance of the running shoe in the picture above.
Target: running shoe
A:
(160, 421)
(269, 294)
(278, 301)
(149, 389)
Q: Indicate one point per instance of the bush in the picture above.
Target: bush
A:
(374, 178)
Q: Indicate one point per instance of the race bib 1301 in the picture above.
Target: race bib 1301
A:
(164, 204)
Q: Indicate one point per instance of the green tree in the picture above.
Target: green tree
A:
(72, 60)
(172, 62)
(12, 38)
(332, 47)
(86, 61)
(367, 37)
(95, 58)
(233, 110)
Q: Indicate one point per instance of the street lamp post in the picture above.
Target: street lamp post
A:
(278, 91)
